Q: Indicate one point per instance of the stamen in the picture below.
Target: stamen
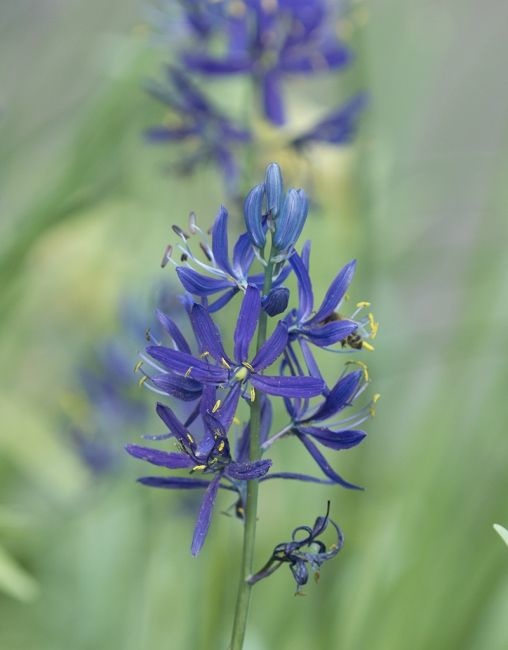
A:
(247, 365)
(362, 365)
(167, 255)
(198, 468)
(367, 346)
(204, 354)
(137, 367)
(225, 363)
(374, 326)
(193, 226)
(181, 233)
(252, 393)
(221, 446)
(142, 380)
(236, 420)
(362, 304)
(206, 250)
(372, 410)
(189, 438)
(188, 372)
(216, 406)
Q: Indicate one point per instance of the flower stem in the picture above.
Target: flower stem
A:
(251, 505)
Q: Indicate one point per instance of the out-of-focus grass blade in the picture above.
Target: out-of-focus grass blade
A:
(14, 580)
(502, 532)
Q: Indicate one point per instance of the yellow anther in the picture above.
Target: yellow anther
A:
(142, 380)
(236, 420)
(376, 398)
(374, 326)
(372, 410)
(204, 354)
(138, 366)
(252, 393)
(363, 303)
(188, 372)
(198, 468)
(190, 438)
(216, 406)
(225, 363)
(367, 346)
(362, 365)
(346, 296)
(247, 365)
(221, 446)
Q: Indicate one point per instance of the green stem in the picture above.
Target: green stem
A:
(251, 505)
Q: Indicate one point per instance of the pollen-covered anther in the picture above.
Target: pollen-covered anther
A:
(362, 365)
(247, 365)
(236, 420)
(374, 325)
(142, 380)
(367, 346)
(362, 304)
(225, 363)
(188, 372)
(138, 366)
(252, 393)
(216, 406)
(204, 354)
(198, 468)
(178, 231)
(221, 446)
(190, 438)
(372, 410)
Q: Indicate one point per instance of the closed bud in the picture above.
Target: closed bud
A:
(276, 301)
(252, 212)
(291, 220)
(274, 189)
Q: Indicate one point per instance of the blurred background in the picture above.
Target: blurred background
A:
(88, 558)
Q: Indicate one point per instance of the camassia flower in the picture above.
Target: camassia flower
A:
(211, 134)
(305, 551)
(274, 40)
(215, 367)
(210, 455)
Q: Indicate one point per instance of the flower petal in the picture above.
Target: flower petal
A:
(223, 300)
(339, 396)
(182, 388)
(335, 293)
(288, 386)
(204, 516)
(220, 241)
(305, 295)
(173, 330)
(248, 471)
(171, 421)
(169, 459)
(272, 98)
(292, 476)
(243, 255)
(198, 284)
(247, 322)
(207, 333)
(272, 348)
(174, 482)
(253, 216)
(325, 465)
(325, 335)
(345, 439)
(209, 65)
(185, 364)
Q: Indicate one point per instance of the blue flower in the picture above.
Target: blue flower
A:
(212, 133)
(305, 551)
(337, 127)
(210, 455)
(274, 40)
(223, 276)
(237, 373)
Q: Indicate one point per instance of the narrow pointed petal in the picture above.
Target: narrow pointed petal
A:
(222, 301)
(325, 465)
(243, 255)
(204, 516)
(325, 335)
(171, 460)
(207, 333)
(174, 483)
(272, 98)
(198, 284)
(182, 388)
(187, 365)
(248, 471)
(165, 134)
(229, 405)
(171, 421)
(292, 476)
(220, 241)
(288, 386)
(211, 66)
(310, 362)
(334, 439)
(335, 293)
(272, 348)
(305, 295)
(247, 323)
(338, 397)
(173, 330)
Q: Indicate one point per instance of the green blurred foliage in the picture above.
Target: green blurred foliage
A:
(85, 213)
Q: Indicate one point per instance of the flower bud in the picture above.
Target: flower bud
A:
(274, 189)
(276, 301)
(252, 212)
(291, 220)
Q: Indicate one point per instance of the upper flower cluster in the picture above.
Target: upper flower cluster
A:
(267, 41)
(263, 364)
